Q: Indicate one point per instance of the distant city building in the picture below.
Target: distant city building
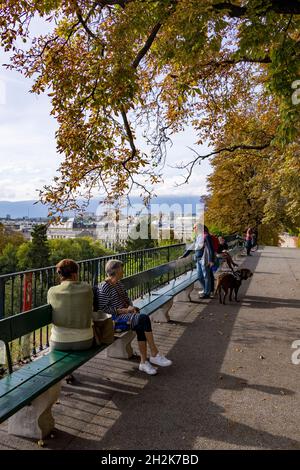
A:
(72, 228)
(24, 226)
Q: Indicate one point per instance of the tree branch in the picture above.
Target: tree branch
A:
(260, 60)
(146, 46)
(83, 22)
(106, 3)
(129, 135)
(292, 7)
(190, 165)
(234, 11)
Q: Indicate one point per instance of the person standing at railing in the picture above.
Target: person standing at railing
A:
(72, 307)
(205, 257)
(112, 298)
(249, 234)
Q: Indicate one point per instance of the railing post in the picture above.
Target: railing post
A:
(168, 260)
(95, 272)
(2, 298)
(142, 261)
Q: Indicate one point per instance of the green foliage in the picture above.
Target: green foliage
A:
(9, 236)
(77, 249)
(8, 259)
(23, 256)
(251, 188)
(218, 231)
(42, 252)
(38, 254)
(166, 62)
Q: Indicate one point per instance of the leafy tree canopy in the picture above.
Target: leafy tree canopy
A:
(250, 188)
(38, 254)
(77, 249)
(9, 236)
(112, 66)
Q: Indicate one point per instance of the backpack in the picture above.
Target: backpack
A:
(215, 242)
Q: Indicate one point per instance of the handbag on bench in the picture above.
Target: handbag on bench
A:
(103, 328)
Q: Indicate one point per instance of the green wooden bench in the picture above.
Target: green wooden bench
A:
(28, 394)
(40, 378)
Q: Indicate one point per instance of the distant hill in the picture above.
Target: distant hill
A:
(33, 209)
(19, 209)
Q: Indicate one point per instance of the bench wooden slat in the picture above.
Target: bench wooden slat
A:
(23, 392)
(26, 372)
(11, 381)
(154, 273)
(5, 330)
(178, 284)
(183, 285)
(157, 303)
(26, 322)
(22, 396)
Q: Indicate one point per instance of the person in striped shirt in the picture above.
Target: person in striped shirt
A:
(112, 298)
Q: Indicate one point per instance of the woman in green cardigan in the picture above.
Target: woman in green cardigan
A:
(72, 307)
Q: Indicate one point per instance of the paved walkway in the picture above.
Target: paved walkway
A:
(232, 385)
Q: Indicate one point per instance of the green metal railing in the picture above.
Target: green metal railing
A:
(90, 270)
(13, 292)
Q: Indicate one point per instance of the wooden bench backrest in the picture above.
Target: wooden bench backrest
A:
(153, 273)
(23, 323)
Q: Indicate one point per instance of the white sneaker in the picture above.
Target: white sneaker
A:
(148, 368)
(160, 360)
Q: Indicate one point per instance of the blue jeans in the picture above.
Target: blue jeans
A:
(204, 276)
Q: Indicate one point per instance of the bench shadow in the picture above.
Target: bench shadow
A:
(254, 301)
(175, 409)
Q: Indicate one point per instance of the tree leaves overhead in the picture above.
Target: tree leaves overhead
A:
(112, 67)
(251, 188)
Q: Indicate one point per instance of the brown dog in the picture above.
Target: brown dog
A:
(231, 281)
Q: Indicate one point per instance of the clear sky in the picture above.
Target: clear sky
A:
(28, 149)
